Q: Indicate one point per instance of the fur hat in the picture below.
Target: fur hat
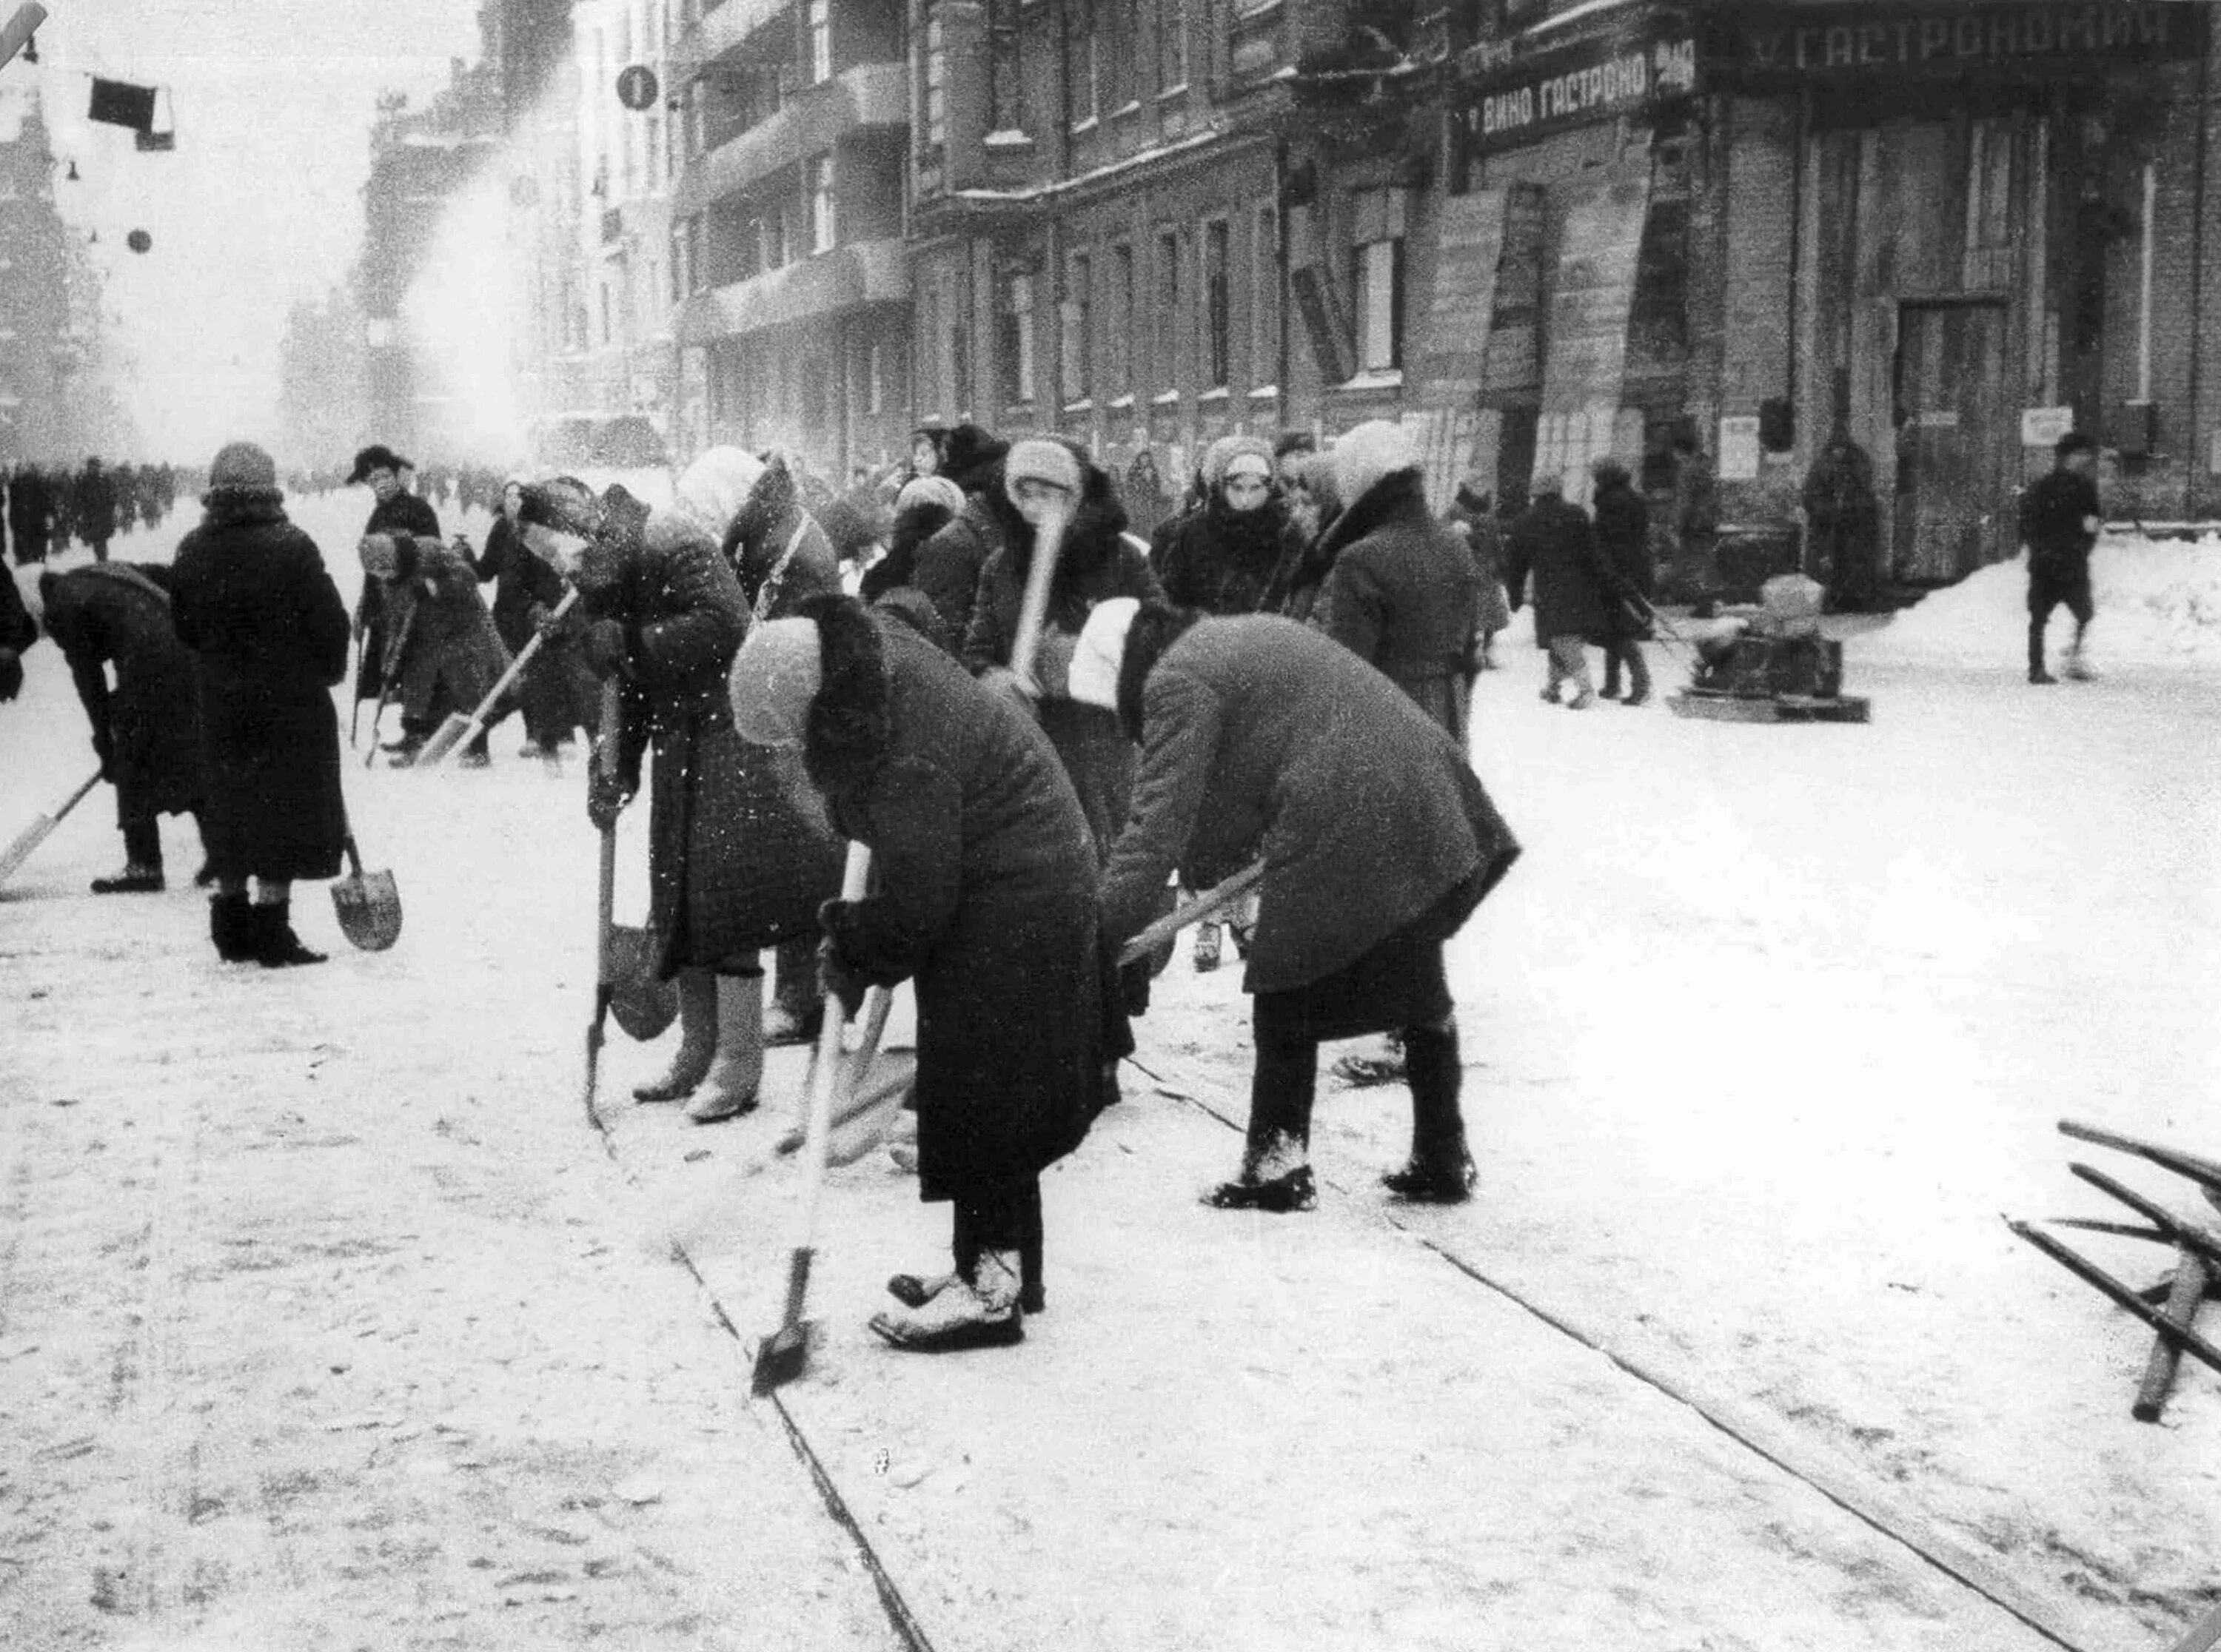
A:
(1099, 652)
(377, 457)
(1609, 472)
(1219, 457)
(715, 486)
(935, 490)
(1043, 458)
(243, 468)
(775, 677)
(969, 455)
(1375, 449)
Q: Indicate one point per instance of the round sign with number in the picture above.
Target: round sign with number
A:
(637, 87)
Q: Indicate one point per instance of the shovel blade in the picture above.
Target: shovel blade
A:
(444, 739)
(644, 1005)
(368, 905)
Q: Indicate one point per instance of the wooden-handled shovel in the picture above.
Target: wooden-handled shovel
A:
(367, 904)
(459, 729)
(605, 761)
(33, 835)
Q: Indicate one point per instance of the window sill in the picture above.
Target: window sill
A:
(1086, 404)
(1081, 127)
(1374, 378)
(1010, 141)
(1265, 392)
(1219, 393)
(1168, 399)
(1131, 106)
(1121, 404)
(1173, 94)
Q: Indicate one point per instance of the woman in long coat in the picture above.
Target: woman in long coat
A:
(556, 692)
(1094, 564)
(442, 654)
(985, 897)
(251, 598)
(1554, 543)
(148, 728)
(1378, 842)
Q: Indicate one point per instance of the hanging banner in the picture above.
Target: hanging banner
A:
(1584, 360)
(1452, 345)
(1512, 96)
(118, 102)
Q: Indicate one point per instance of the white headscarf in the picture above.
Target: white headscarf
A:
(1100, 650)
(715, 487)
(775, 677)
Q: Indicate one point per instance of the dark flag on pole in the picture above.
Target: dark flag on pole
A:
(118, 102)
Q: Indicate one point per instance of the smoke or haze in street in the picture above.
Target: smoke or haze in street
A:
(260, 204)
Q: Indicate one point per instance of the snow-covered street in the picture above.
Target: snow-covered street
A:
(327, 1320)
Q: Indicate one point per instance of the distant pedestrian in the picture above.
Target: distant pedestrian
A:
(252, 599)
(2059, 522)
(92, 507)
(1473, 512)
(1623, 539)
(1554, 544)
(115, 617)
(18, 631)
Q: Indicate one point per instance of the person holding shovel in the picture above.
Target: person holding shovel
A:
(985, 899)
(395, 512)
(250, 596)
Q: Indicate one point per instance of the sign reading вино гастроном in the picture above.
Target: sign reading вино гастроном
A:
(1512, 97)
(1952, 37)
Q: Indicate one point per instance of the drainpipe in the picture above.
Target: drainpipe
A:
(2197, 288)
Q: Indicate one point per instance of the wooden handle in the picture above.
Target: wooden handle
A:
(2191, 1279)
(1033, 611)
(1216, 899)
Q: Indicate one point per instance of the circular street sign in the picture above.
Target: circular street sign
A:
(637, 87)
(139, 240)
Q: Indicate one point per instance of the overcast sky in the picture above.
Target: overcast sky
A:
(259, 203)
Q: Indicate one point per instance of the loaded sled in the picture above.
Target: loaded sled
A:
(1773, 667)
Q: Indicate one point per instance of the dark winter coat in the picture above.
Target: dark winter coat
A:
(115, 616)
(1623, 539)
(1484, 539)
(2052, 513)
(442, 653)
(1094, 564)
(18, 630)
(1221, 561)
(740, 854)
(915, 523)
(772, 523)
(405, 513)
(1552, 543)
(252, 599)
(1404, 596)
(949, 567)
(92, 506)
(984, 895)
(1259, 731)
(556, 691)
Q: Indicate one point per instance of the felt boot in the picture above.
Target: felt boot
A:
(271, 933)
(729, 1088)
(697, 1039)
(1440, 1170)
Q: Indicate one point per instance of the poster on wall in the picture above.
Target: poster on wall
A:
(1585, 362)
(1453, 337)
(1739, 448)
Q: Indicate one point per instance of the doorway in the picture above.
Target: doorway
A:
(1950, 390)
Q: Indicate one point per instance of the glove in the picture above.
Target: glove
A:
(12, 674)
(835, 979)
(606, 647)
(606, 796)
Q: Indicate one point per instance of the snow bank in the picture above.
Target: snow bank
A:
(2158, 603)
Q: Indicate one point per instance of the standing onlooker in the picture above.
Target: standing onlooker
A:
(925, 505)
(1143, 494)
(30, 512)
(926, 450)
(1220, 558)
(1554, 542)
(1843, 520)
(395, 511)
(982, 894)
(1622, 539)
(949, 566)
(116, 616)
(1378, 842)
(1313, 503)
(1696, 520)
(92, 507)
(2059, 523)
(253, 602)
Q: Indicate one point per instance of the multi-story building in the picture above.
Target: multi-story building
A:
(41, 351)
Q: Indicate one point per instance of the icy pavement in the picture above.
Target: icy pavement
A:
(1767, 1028)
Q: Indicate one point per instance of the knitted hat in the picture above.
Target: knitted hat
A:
(969, 455)
(930, 490)
(1219, 458)
(775, 677)
(1038, 459)
(241, 467)
(377, 457)
(1375, 449)
(715, 486)
(1099, 652)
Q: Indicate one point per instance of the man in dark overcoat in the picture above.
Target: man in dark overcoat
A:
(984, 896)
(2058, 521)
(145, 728)
(92, 507)
(1552, 543)
(395, 512)
(1623, 538)
(252, 601)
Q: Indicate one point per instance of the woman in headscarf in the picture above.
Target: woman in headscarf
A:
(250, 596)
(925, 505)
(984, 895)
(1220, 559)
(556, 692)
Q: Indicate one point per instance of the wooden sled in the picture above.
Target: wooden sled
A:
(1718, 705)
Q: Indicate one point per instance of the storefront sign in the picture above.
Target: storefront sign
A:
(2042, 426)
(1877, 38)
(1513, 98)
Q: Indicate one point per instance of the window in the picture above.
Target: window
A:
(685, 244)
(875, 396)
(1076, 321)
(775, 247)
(1015, 343)
(820, 62)
(1006, 105)
(1379, 285)
(1167, 318)
(821, 204)
(1080, 69)
(1217, 307)
(936, 81)
(1658, 315)
(1122, 317)
(1127, 65)
(1265, 297)
(1172, 44)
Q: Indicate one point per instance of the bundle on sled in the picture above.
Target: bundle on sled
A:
(1770, 663)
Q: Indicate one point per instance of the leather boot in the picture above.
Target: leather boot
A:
(271, 933)
(229, 917)
(729, 1088)
(697, 1039)
(1440, 1170)
(797, 1008)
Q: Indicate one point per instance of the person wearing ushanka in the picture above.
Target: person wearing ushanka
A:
(1378, 842)
(395, 511)
(250, 596)
(984, 896)
(1044, 477)
(948, 564)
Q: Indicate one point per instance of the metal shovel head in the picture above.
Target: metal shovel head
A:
(643, 1005)
(442, 741)
(369, 908)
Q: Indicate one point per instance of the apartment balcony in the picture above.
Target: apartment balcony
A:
(865, 96)
(728, 25)
(846, 278)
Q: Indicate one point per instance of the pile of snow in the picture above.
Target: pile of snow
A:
(2158, 601)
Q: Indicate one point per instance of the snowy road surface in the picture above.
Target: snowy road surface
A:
(327, 1321)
